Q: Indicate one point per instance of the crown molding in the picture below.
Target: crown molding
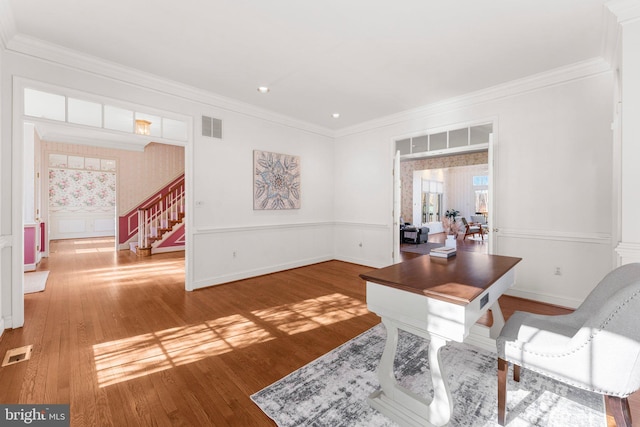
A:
(28, 46)
(610, 38)
(7, 23)
(535, 82)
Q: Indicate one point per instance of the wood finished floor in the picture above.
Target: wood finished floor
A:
(118, 338)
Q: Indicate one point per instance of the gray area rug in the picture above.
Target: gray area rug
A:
(333, 390)
(421, 248)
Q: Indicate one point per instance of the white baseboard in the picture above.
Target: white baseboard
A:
(359, 261)
(218, 280)
(1, 326)
(549, 299)
(29, 267)
(167, 249)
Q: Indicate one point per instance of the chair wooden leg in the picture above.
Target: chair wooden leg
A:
(618, 408)
(503, 367)
(516, 373)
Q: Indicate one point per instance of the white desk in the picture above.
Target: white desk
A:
(440, 300)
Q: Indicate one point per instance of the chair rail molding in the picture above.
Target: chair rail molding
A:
(361, 224)
(628, 252)
(5, 241)
(624, 10)
(564, 236)
(210, 229)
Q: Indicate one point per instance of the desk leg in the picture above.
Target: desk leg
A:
(402, 405)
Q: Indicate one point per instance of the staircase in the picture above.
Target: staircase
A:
(158, 219)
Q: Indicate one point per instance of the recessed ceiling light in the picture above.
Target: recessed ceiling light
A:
(335, 115)
(263, 89)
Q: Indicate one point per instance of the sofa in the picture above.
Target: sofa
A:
(412, 234)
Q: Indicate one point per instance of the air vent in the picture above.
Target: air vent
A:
(211, 127)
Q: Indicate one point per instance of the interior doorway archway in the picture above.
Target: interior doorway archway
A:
(76, 133)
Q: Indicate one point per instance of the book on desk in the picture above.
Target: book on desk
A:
(443, 252)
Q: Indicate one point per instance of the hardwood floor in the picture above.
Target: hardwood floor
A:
(118, 338)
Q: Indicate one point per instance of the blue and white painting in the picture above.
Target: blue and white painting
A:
(276, 183)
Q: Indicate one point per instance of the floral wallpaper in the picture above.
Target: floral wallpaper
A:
(75, 190)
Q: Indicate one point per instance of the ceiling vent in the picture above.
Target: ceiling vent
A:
(211, 127)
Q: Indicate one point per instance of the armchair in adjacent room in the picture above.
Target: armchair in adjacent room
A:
(596, 348)
(479, 219)
(471, 229)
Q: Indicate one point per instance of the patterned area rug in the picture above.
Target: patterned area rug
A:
(333, 390)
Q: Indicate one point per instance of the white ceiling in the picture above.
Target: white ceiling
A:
(365, 59)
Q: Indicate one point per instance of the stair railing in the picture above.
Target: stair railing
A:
(159, 217)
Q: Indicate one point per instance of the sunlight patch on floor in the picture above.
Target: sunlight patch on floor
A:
(93, 250)
(313, 313)
(134, 357)
(122, 273)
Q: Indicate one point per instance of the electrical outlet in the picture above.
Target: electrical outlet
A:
(235, 254)
(558, 271)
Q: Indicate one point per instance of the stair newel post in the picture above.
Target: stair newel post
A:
(174, 208)
(147, 228)
(161, 213)
(143, 233)
(140, 228)
(154, 222)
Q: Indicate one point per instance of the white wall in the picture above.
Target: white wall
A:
(553, 181)
(227, 239)
(364, 199)
(553, 177)
(231, 240)
(629, 247)
(459, 191)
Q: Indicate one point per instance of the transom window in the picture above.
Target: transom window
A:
(453, 140)
(61, 108)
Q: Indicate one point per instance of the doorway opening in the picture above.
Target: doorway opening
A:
(88, 127)
(440, 171)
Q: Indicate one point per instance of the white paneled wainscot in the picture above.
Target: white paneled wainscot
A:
(234, 253)
(72, 225)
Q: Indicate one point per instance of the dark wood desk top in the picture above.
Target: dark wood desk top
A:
(459, 279)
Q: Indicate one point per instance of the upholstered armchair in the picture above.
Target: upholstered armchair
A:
(596, 348)
(471, 229)
(479, 219)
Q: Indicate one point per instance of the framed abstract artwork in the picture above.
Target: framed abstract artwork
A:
(276, 181)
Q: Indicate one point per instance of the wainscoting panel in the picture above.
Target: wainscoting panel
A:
(365, 244)
(70, 225)
(240, 252)
(557, 269)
